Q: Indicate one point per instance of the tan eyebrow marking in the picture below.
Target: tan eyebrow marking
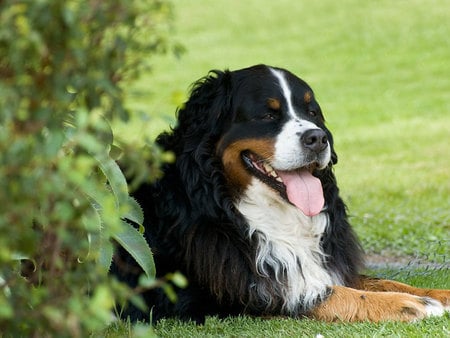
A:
(273, 103)
(307, 97)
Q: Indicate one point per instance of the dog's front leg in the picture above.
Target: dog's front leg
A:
(347, 304)
(376, 284)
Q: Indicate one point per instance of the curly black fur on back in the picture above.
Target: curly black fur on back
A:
(193, 226)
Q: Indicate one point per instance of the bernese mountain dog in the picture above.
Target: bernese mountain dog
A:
(249, 211)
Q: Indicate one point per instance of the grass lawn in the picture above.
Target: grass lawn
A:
(381, 71)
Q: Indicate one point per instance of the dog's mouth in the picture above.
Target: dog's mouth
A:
(298, 186)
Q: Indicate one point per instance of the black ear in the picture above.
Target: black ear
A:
(200, 124)
(209, 103)
(334, 157)
(203, 114)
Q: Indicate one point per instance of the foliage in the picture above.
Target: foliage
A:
(63, 201)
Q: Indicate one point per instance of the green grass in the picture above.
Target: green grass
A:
(380, 70)
(286, 327)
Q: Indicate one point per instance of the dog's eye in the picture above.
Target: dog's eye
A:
(270, 116)
(316, 114)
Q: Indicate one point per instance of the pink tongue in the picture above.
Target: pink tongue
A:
(304, 191)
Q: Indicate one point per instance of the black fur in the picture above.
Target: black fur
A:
(193, 226)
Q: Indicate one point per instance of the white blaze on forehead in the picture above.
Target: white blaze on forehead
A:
(286, 91)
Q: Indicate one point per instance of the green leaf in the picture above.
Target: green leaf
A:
(178, 279)
(137, 301)
(135, 244)
(97, 244)
(134, 213)
(102, 303)
(115, 178)
(106, 254)
(92, 220)
(170, 292)
(147, 282)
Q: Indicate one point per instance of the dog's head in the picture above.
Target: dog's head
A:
(262, 123)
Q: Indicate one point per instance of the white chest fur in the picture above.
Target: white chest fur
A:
(289, 244)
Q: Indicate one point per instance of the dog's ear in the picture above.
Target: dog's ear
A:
(208, 104)
(334, 157)
(203, 115)
(201, 121)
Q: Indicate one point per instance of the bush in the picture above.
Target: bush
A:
(63, 65)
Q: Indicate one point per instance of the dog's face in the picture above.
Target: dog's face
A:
(276, 136)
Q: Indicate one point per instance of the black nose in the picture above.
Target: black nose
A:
(315, 140)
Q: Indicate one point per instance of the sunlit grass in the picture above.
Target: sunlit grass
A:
(285, 327)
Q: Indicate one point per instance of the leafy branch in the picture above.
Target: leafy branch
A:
(64, 200)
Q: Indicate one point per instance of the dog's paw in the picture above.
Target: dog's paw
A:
(432, 306)
(443, 296)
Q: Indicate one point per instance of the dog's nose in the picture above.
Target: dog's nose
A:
(315, 140)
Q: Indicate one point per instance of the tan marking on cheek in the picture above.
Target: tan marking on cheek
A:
(307, 97)
(273, 104)
(235, 171)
